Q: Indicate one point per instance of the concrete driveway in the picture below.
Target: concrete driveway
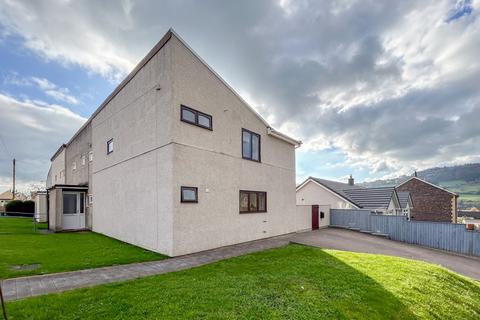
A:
(341, 239)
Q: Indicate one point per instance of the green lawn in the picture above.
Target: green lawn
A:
(293, 282)
(20, 245)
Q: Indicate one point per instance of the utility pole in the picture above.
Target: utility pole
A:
(13, 189)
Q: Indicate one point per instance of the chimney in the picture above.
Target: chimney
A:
(415, 173)
(351, 182)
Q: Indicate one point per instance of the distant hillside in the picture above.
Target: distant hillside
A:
(462, 179)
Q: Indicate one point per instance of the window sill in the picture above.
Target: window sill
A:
(247, 212)
(244, 158)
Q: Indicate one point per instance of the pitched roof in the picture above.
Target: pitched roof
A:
(403, 197)
(337, 187)
(160, 44)
(424, 181)
(7, 195)
(371, 198)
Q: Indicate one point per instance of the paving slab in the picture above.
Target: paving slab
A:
(24, 287)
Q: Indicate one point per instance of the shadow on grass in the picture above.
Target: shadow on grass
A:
(293, 282)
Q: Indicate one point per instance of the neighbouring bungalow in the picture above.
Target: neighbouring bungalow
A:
(431, 202)
(175, 161)
(337, 195)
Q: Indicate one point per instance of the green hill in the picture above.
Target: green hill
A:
(462, 179)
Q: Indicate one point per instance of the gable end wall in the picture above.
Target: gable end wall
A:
(429, 203)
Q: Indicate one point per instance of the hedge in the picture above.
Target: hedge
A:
(19, 207)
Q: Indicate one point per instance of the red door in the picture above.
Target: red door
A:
(314, 217)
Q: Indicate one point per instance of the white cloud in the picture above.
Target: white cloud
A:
(32, 132)
(46, 86)
(392, 85)
(59, 94)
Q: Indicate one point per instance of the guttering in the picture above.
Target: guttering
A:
(274, 133)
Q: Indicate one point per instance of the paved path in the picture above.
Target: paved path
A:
(341, 239)
(331, 238)
(19, 288)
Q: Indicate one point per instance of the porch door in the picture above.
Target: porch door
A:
(73, 210)
(315, 217)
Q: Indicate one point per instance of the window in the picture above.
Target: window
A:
(84, 160)
(253, 201)
(69, 203)
(73, 202)
(90, 199)
(74, 165)
(90, 156)
(189, 194)
(195, 117)
(109, 146)
(250, 145)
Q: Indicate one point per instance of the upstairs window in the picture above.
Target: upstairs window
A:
(253, 201)
(189, 194)
(195, 117)
(84, 159)
(109, 146)
(250, 145)
(74, 165)
(90, 156)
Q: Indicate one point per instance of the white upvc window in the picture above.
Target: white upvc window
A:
(74, 165)
(84, 159)
(110, 146)
(90, 199)
(90, 156)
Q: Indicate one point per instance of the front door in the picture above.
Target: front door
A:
(314, 217)
(73, 210)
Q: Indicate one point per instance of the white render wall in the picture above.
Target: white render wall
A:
(212, 161)
(312, 193)
(136, 189)
(132, 191)
(57, 169)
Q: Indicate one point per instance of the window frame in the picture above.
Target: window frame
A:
(108, 143)
(195, 189)
(251, 146)
(196, 113)
(249, 192)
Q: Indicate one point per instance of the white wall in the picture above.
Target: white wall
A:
(303, 217)
(41, 207)
(312, 193)
(57, 170)
(325, 222)
(131, 187)
(213, 160)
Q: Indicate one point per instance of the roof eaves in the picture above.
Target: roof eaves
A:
(337, 193)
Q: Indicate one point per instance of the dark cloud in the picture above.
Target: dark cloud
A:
(389, 83)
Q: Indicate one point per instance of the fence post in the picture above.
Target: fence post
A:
(3, 303)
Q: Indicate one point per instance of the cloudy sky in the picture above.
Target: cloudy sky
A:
(373, 88)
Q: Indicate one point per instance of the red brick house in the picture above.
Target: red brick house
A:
(430, 202)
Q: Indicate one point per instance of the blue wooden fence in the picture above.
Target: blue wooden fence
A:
(438, 235)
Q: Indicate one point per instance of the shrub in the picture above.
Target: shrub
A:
(20, 208)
